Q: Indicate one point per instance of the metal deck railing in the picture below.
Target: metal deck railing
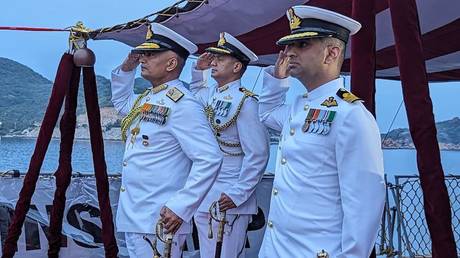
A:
(404, 231)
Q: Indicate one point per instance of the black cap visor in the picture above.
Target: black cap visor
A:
(228, 49)
(160, 43)
(314, 28)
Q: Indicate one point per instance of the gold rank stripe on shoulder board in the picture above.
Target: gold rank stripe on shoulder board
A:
(248, 93)
(174, 94)
(347, 96)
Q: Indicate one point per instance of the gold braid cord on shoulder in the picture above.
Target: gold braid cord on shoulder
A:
(219, 128)
(133, 114)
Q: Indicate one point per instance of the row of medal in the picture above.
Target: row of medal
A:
(221, 108)
(155, 114)
(150, 113)
(318, 121)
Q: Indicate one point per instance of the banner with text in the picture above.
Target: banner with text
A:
(81, 223)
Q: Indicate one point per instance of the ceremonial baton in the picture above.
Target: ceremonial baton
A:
(220, 217)
(153, 245)
(167, 239)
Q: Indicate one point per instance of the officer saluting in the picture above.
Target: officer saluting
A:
(232, 111)
(328, 192)
(171, 156)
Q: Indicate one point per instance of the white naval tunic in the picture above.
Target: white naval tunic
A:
(239, 175)
(328, 191)
(175, 168)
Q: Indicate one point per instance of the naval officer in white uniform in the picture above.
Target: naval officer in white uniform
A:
(232, 111)
(171, 157)
(328, 192)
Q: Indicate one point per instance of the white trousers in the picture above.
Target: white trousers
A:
(139, 248)
(234, 235)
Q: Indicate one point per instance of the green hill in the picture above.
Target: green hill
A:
(25, 95)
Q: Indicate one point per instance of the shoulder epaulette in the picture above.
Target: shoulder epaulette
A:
(174, 94)
(248, 93)
(347, 96)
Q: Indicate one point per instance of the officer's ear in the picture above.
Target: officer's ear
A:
(171, 64)
(332, 54)
(237, 66)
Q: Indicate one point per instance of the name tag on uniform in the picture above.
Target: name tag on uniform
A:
(154, 113)
(318, 121)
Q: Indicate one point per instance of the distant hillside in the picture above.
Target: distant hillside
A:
(25, 95)
(24, 92)
(448, 136)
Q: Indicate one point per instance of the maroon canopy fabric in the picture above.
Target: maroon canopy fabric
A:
(363, 49)
(260, 23)
(63, 78)
(420, 36)
(66, 86)
(422, 127)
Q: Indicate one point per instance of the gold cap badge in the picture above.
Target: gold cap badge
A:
(149, 34)
(294, 20)
(222, 40)
(148, 45)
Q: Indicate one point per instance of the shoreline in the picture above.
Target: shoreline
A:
(119, 140)
(52, 138)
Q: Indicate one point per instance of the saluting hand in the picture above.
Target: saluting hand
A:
(282, 66)
(225, 203)
(171, 222)
(204, 61)
(130, 63)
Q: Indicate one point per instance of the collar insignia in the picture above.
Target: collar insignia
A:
(223, 88)
(159, 88)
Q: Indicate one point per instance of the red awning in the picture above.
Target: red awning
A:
(260, 23)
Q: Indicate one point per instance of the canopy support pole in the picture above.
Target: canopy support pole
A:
(409, 52)
(363, 57)
(363, 53)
